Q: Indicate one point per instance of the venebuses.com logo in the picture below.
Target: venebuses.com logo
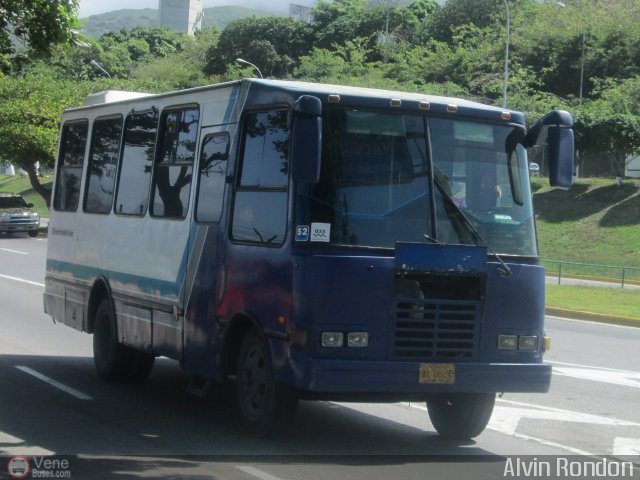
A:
(18, 467)
(38, 467)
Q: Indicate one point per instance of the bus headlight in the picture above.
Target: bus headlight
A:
(527, 342)
(507, 342)
(332, 339)
(358, 339)
(517, 342)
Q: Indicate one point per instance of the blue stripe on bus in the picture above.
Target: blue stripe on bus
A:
(141, 284)
(232, 103)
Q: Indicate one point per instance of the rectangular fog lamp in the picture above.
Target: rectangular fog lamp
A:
(527, 342)
(332, 339)
(507, 342)
(358, 339)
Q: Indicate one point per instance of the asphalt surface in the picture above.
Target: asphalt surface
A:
(52, 403)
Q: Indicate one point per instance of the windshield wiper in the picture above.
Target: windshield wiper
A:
(431, 239)
(504, 268)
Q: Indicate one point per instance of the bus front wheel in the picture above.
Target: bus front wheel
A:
(460, 416)
(264, 403)
(114, 361)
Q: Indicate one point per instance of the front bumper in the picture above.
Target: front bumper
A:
(340, 376)
(19, 226)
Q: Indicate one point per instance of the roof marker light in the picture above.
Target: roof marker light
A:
(452, 108)
(506, 115)
(334, 98)
(424, 105)
(395, 102)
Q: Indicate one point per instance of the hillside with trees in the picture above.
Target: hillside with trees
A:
(580, 55)
(95, 26)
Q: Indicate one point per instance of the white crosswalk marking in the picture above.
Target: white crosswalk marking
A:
(615, 377)
(626, 446)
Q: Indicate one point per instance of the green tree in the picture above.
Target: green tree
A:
(37, 25)
(119, 53)
(272, 43)
(610, 124)
(184, 68)
(31, 105)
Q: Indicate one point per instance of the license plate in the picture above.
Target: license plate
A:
(438, 373)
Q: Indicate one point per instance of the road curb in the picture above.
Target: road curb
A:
(598, 317)
(610, 280)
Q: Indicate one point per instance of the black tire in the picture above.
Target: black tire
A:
(460, 416)
(33, 233)
(263, 403)
(114, 361)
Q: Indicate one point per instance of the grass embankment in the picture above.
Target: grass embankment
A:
(595, 222)
(20, 184)
(605, 301)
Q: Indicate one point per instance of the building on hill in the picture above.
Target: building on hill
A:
(181, 15)
(300, 12)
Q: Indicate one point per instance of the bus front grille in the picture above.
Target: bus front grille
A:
(435, 330)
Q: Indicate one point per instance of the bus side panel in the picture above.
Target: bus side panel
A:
(202, 333)
(74, 308)
(134, 326)
(258, 284)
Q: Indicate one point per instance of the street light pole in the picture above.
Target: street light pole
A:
(581, 70)
(506, 58)
(242, 60)
(98, 67)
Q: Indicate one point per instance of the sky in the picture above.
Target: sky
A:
(92, 7)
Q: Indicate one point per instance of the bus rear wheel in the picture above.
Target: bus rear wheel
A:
(460, 416)
(114, 361)
(264, 404)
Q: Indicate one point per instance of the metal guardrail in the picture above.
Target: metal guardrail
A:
(592, 271)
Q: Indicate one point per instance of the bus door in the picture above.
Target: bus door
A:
(205, 282)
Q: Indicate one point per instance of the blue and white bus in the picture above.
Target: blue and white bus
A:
(307, 241)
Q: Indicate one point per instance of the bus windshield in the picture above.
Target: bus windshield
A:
(379, 175)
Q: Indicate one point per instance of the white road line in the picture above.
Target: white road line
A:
(54, 383)
(13, 251)
(506, 419)
(575, 451)
(254, 472)
(10, 445)
(579, 365)
(572, 416)
(623, 378)
(626, 446)
(22, 280)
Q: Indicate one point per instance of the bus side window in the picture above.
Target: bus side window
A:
(71, 159)
(103, 162)
(134, 175)
(260, 207)
(174, 162)
(213, 172)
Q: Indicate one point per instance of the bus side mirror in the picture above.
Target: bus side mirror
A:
(560, 142)
(555, 129)
(306, 139)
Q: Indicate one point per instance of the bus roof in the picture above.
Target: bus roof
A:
(329, 89)
(476, 109)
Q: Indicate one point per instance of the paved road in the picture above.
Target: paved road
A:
(52, 403)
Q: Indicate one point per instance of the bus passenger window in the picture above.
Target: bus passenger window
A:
(103, 162)
(174, 163)
(260, 208)
(213, 172)
(134, 175)
(70, 162)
